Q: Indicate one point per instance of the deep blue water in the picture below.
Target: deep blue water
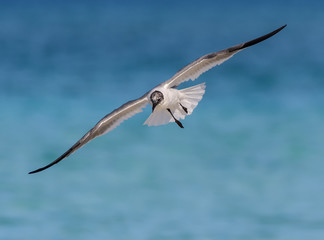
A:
(248, 164)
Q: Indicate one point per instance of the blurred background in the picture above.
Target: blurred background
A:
(247, 165)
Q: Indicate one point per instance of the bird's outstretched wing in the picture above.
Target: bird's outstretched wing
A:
(105, 125)
(208, 61)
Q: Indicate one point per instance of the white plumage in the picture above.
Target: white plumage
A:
(168, 103)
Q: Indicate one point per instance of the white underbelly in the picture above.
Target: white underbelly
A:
(171, 98)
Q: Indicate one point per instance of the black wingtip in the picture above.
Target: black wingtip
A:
(35, 171)
(47, 166)
(262, 38)
(64, 155)
(67, 153)
(41, 169)
(255, 41)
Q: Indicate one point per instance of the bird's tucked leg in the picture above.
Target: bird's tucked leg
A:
(176, 120)
(184, 108)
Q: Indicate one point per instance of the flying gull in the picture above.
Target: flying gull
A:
(168, 103)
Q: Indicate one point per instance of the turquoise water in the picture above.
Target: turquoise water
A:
(247, 165)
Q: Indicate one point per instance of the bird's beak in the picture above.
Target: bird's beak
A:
(154, 105)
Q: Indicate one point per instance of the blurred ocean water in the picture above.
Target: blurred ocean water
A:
(247, 165)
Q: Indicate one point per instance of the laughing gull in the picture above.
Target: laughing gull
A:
(168, 103)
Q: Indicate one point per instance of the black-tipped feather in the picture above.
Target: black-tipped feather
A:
(255, 41)
(64, 155)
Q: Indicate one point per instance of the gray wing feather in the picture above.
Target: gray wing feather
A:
(208, 61)
(105, 125)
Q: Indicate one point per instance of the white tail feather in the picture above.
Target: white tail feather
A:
(191, 96)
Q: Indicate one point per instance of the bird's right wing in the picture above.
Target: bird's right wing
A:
(105, 125)
(208, 61)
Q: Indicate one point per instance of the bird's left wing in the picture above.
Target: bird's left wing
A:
(208, 61)
(105, 125)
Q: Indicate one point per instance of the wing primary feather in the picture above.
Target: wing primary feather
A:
(255, 41)
(64, 155)
(105, 125)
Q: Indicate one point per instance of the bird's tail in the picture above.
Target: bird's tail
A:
(191, 96)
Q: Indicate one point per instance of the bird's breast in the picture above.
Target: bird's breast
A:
(171, 97)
